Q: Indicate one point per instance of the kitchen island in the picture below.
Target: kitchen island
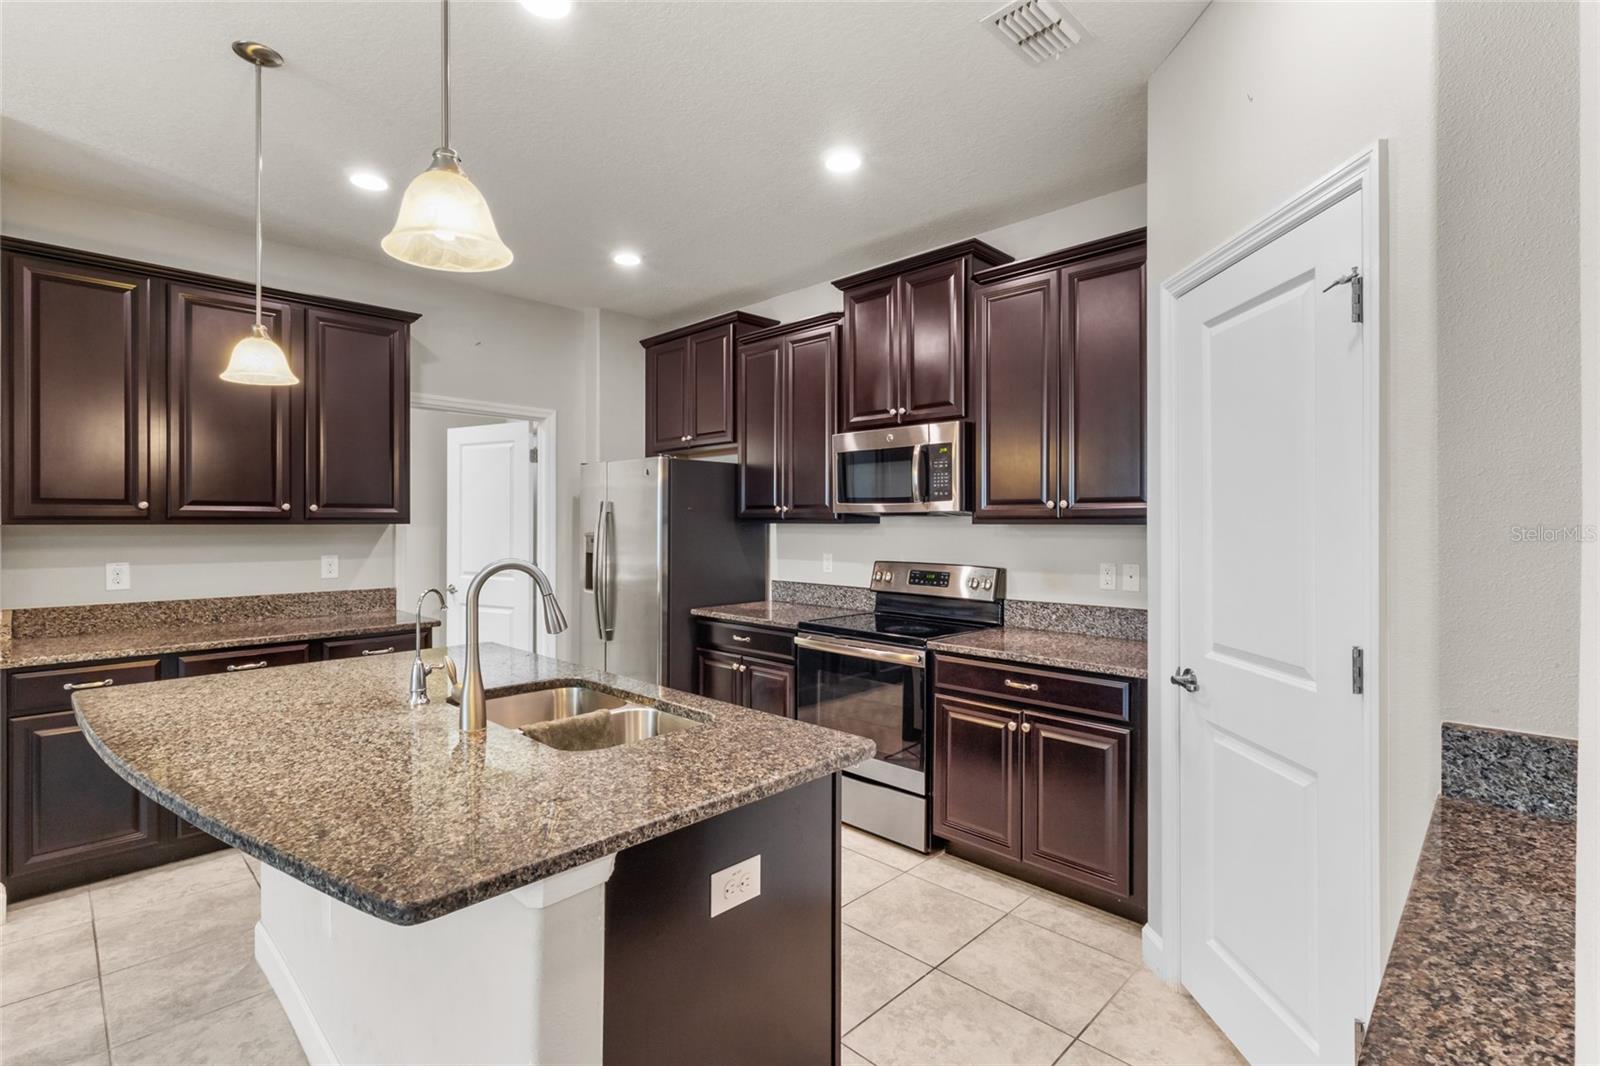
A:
(429, 895)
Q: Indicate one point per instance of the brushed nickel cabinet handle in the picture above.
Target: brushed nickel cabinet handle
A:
(1050, 504)
(236, 667)
(313, 507)
(144, 505)
(741, 640)
(377, 651)
(1012, 726)
(283, 507)
(1025, 686)
(1027, 727)
(80, 686)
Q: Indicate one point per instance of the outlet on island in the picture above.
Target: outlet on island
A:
(737, 884)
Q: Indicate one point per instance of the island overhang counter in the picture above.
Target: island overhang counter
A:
(430, 895)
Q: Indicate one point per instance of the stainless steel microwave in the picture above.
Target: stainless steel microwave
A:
(901, 470)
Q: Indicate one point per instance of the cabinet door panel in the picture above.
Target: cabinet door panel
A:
(1016, 343)
(229, 453)
(78, 351)
(871, 367)
(666, 371)
(1103, 388)
(711, 386)
(813, 391)
(769, 687)
(976, 778)
(65, 805)
(718, 676)
(357, 417)
(197, 664)
(933, 342)
(761, 439)
(1077, 800)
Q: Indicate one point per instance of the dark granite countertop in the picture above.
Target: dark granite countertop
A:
(1069, 651)
(127, 643)
(1482, 966)
(774, 614)
(324, 771)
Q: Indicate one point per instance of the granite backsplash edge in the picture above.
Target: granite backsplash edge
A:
(1120, 623)
(90, 618)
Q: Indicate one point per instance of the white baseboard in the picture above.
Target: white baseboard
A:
(312, 1041)
(1154, 949)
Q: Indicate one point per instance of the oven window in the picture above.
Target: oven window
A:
(879, 701)
(881, 475)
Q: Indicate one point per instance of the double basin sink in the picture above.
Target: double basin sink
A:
(573, 718)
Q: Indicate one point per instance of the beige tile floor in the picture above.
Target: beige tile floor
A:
(944, 962)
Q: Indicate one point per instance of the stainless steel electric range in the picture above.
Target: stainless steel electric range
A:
(867, 674)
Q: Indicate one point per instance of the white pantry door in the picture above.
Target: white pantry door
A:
(489, 516)
(1273, 586)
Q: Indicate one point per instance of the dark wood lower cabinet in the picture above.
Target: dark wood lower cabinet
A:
(769, 687)
(1076, 800)
(748, 666)
(978, 772)
(718, 676)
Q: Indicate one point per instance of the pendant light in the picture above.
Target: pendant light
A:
(444, 221)
(257, 360)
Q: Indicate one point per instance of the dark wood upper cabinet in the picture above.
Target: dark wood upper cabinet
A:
(358, 395)
(976, 775)
(691, 383)
(116, 409)
(1077, 795)
(229, 453)
(904, 345)
(787, 396)
(80, 343)
(1058, 370)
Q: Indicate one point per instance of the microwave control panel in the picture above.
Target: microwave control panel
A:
(941, 461)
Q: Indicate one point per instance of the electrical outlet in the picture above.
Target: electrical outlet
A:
(827, 562)
(1108, 576)
(330, 566)
(119, 577)
(1130, 577)
(739, 883)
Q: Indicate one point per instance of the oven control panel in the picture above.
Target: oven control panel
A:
(953, 581)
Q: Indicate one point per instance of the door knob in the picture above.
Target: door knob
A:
(1185, 680)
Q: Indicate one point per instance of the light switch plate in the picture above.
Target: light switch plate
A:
(119, 576)
(1130, 577)
(739, 883)
(330, 566)
(1108, 576)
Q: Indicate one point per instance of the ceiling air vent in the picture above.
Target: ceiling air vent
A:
(1037, 30)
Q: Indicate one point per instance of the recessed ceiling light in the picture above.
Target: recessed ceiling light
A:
(549, 9)
(368, 180)
(626, 259)
(841, 160)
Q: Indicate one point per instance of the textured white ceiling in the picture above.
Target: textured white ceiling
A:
(689, 131)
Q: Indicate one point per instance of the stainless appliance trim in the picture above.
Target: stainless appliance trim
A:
(663, 531)
(857, 650)
(885, 812)
(887, 773)
(866, 440)
(896, 577)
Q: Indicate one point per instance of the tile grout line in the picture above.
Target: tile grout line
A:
(1054, 1028)
(100, 979)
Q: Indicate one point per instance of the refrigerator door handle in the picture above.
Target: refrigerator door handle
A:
(607, 608)
(598, 578)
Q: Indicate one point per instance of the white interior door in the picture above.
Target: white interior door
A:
(1274, 580)
(489, 516)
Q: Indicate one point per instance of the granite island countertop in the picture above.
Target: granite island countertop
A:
(18, 652)
(1482, 968)
(1039, 647)
(773, 614)
(324, 772)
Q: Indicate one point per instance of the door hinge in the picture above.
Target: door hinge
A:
(533, 455)
(1357, 289)
(1361, 1038)
(1358, 671)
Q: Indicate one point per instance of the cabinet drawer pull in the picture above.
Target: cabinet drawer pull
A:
(1025, 686)
(1012, 726)
(377, 651)
(741, 640)
(80, 686)
(235, 667)
(1027, 727)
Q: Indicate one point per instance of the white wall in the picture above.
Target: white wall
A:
(1509, 409)
(1257, 102)
(420, 544)
(1045, 562)
(614, 384)
(1588, 939)
(469, 343)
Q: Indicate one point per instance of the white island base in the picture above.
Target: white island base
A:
(519, 978)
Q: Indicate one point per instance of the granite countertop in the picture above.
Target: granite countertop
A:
(774, 614)
(1482, 968)
(324, 771)
(1069, 651)
(127, 643)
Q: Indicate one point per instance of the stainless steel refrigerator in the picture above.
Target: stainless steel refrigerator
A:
(659, 537)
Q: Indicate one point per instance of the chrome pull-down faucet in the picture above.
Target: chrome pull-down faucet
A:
(474, 707)
(419, 669)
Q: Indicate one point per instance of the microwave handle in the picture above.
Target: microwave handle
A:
(916, 472)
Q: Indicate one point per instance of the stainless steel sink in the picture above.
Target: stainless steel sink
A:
(622, 725)
(549, 705)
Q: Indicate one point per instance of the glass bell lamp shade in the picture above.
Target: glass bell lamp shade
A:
(444, 222)
(256, 360)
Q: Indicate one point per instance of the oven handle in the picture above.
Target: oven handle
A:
(853, 650)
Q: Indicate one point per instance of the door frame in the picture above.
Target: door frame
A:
(542, 424)
(1361, 176)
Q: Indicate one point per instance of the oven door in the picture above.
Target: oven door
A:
(877, 691)
(904, 470)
